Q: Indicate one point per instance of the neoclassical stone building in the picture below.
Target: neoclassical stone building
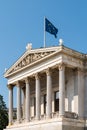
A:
(51, 89)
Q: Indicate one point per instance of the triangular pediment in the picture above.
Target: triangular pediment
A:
(28, 58)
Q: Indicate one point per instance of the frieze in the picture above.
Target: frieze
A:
(30, 58)
(74, 60)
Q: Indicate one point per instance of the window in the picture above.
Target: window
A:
(56, 101)
(45, 103)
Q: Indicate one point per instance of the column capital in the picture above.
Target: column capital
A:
(10, 86)
(61, 66)
(18, 83)
(27, 80)
(48, 71)
(37, 76)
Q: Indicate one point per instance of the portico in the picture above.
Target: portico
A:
(37, 93)
(51, 81)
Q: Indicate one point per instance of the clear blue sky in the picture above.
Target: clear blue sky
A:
(21, 21)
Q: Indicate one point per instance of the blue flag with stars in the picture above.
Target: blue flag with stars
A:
(49, 27)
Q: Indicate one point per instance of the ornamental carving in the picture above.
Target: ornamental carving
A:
(61, 66)
(48, 72)
(30, 58)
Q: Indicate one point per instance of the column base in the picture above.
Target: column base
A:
(48, 116)
(27, 120)
(18, 121)
(10, 124)
(37, 118)
(61, 116)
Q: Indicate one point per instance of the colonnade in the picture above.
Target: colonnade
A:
(38, 96)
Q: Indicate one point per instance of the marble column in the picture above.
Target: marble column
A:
(81, 91)
(10, 104)
(27, 99)
(24, 100)
(18, 102)
(61, 90)
(85, 100)
(49, 94)
(38, 97)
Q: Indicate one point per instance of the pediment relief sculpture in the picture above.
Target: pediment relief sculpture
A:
(30, 58)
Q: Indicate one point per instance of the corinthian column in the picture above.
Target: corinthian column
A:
(18, 102)
(27, 100)
(49, 94)
(81, 91)
(24, 102)
(10, 104)
(61, 90)
(38, 109)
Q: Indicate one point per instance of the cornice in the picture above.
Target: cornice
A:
(73, 53)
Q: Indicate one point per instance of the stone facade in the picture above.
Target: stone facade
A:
(53, 84)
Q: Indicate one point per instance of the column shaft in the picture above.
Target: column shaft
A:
(24, 100)
(38, 108)
(49, 94)
(27, 100)
(61, 90)
(10, 105)
(85, 99)
(81, 93)
(18, 102)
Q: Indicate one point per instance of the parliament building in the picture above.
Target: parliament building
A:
(51, 88)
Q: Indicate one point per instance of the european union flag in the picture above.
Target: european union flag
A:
(49, 27)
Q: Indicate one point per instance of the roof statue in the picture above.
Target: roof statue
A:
(29, 46)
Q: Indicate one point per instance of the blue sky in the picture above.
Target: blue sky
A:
(22, 21)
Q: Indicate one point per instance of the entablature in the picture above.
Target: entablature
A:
(39, 59)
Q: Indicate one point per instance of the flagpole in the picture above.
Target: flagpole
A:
(44, 34)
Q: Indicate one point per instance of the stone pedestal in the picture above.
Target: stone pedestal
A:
(51, 124)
